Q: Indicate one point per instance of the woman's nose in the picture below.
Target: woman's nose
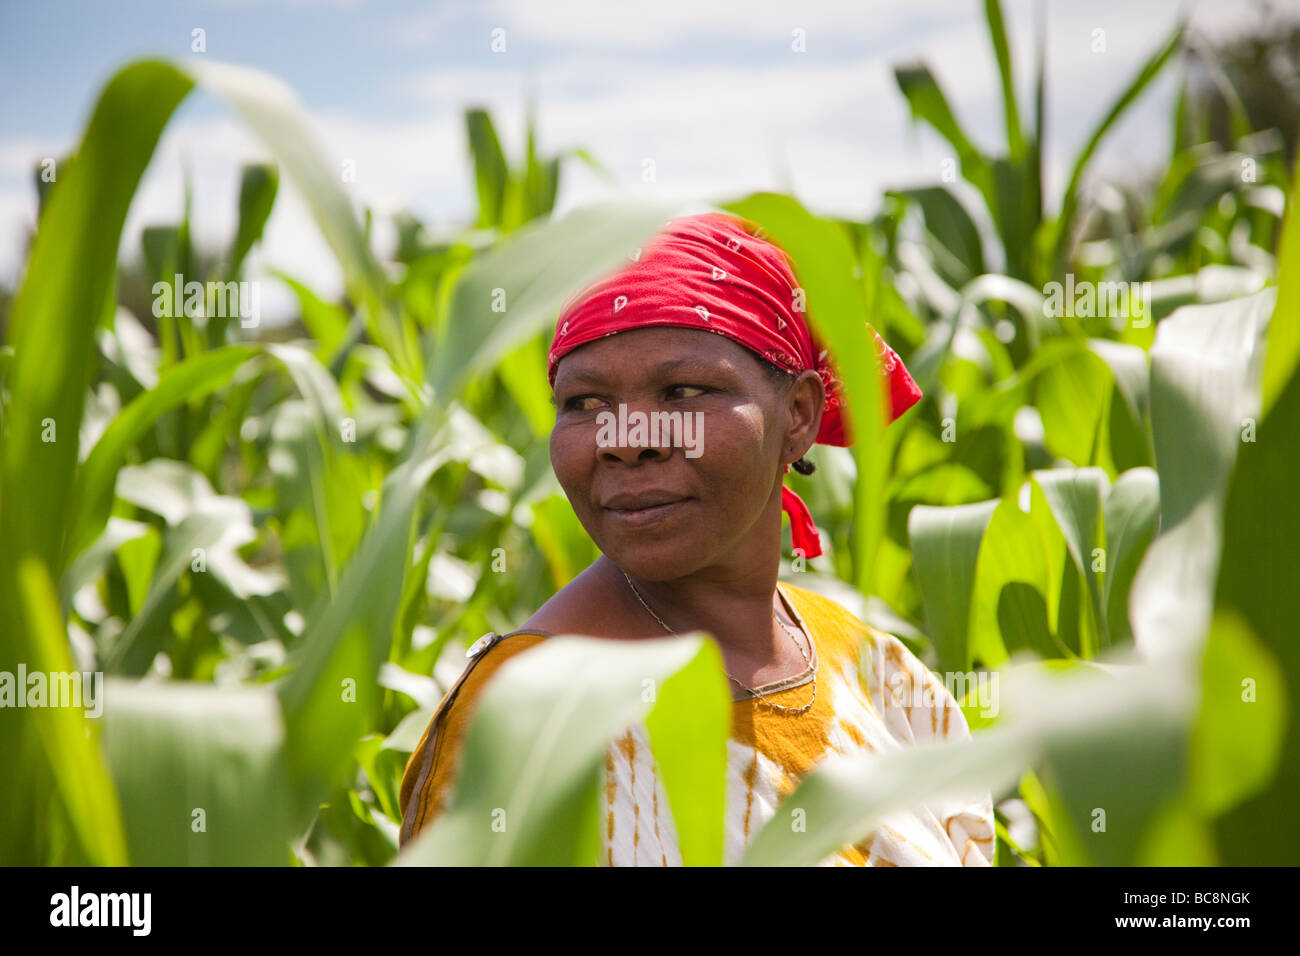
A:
(630, 435)
(629, 454)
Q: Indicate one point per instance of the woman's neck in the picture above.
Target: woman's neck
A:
(738, 609)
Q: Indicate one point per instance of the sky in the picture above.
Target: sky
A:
(722, 97)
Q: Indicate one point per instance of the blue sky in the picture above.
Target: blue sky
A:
(711, 92)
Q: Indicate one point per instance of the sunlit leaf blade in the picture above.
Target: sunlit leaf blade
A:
(535, 750)
(272, 111)
(1284, 334)
(331, 691)
(1132, 513)
(1076, 498)
(201, 773)
(951, 226)
(257, 188)
(1045, 716)
(945, 546)
(509, 294)
(1256, 580)
(1012, 583)
(187, 380)
(67, 290)
(1150, 69)
(1237, 739)
(1071, 398)
(490, 170)
(831, 280)
(688, 728)
(1002, 51)
(1204, 382)
(927, 102)
(65, 788)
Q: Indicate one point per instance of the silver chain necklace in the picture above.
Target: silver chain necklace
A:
(750, 690)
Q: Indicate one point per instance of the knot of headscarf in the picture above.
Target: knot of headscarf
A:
(714, 271)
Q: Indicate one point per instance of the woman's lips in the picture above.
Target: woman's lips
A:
(646, 517)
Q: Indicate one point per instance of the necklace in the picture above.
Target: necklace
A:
(749, 690)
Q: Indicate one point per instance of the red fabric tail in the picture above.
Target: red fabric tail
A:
(803, 533)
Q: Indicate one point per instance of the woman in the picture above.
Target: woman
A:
(706, 322)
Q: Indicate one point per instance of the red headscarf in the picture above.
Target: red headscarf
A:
(713, 271)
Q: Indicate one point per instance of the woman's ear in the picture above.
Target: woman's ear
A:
(804, 402)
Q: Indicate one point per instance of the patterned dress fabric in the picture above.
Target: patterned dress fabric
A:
(873, 695)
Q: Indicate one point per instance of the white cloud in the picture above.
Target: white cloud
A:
(712, 93)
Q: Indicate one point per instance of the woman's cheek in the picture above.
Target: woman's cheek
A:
(736, 441)
(570, 448)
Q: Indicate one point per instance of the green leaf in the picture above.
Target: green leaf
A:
(67, 291)
(837, 311)
(58, 749)
(1071, 398)
(272, 111)
(530, 277)
(90, 564)
(1116, 778)
(927, 102)
(1075, 498)
(518, 372)
(1204, 385)
(1237, 739)
(1078, 721)
(1132, 513)
(1013, 579)
(845, 798)
(1256, 581)
(1284, 335)
(491, 173)
(947, 220)
(1130, 367)
(137, 559)
(563, 541)
(688, 736)
(258, 185)
(1002, 50)
(187, 380)
(945, 547)
(331, 692)
(208, 526)
(527, 791)
(201, 774)
(1065, 222)
(327, 323)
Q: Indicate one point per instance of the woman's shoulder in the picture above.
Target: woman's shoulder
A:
(573, 609)
(432, 764)
(483, 659)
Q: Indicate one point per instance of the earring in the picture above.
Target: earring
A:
(804, 467)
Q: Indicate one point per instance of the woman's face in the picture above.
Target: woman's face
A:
(666, 511)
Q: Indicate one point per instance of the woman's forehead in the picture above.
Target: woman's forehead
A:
(652, 349)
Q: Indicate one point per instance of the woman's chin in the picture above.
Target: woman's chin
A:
(653, 559)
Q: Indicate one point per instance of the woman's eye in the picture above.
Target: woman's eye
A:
(578, 403)
(692, 391)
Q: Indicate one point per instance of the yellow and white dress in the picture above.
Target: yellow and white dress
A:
(873, 694)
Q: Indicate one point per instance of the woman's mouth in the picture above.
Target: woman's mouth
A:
(644, 517)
